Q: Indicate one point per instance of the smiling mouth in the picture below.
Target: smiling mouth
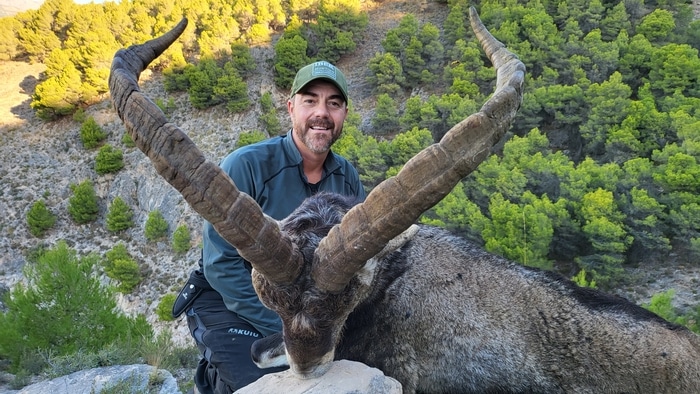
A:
(321, 126)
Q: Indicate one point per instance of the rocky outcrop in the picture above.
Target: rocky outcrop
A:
(138, 378)
(344, 377)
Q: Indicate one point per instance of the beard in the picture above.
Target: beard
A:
(318, 142)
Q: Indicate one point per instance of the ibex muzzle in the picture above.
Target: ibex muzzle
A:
(355, 281)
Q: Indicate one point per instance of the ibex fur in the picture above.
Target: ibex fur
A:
(438, 314)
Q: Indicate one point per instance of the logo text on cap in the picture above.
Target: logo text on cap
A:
(324, 69)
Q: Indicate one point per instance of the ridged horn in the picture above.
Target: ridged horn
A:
(207, 188)
(427, 178)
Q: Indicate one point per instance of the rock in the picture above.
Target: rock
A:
(344, 377)
(140, 378)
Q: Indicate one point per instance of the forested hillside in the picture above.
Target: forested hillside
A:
(599, 178)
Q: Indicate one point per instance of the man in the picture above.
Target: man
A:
(224, 313)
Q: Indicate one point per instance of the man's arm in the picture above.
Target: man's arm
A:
(226, 272)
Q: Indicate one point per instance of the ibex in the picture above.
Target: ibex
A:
(360, 281)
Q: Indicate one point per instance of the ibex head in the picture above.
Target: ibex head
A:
(313, 277)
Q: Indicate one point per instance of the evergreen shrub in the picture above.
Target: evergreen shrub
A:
(91, 134)
(121, 267)
(181, 239)
(63, 309)
(83, 205)
(40, 219)
(108, 160)
(156, 227)
(119, 216)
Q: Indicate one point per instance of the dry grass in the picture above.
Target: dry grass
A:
(16, 89)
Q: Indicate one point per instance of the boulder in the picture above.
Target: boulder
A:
(343, 377)
(139, 378)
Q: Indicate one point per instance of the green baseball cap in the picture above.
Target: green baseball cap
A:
(320, 70)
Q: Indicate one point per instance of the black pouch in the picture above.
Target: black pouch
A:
(193, 288)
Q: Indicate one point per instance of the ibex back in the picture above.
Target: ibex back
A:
(427, 308)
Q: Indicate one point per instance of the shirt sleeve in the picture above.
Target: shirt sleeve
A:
(225, 269)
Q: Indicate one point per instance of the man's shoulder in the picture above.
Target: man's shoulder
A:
(262, 150)
(342, 163)
(270, 144)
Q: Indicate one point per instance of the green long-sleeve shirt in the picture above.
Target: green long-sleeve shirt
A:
(271, 173)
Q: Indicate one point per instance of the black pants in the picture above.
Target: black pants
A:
(224, 339)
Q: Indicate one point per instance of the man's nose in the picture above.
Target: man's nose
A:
(322, 110)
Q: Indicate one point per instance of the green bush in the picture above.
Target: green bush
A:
(83, 205)
(661, 304)
(181, 239)
(128, 141)
(250, 138)
(156, 226)
(268, 119)
(164, 310)
(91, 134)
(40, 219)
(119, 216)
(127, 272)
(108, 160)
(121, 267)
(62, 310)
(166, 106)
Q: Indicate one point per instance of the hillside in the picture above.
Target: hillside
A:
(42, 160)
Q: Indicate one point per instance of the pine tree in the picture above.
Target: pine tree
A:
(119, 217)
(83, 206)
(127, 272)
(250, 137)
(165, 307)
(40, 219)
(268, 119)
(181, 239)
(91, 134)
(121, 267)
(109, 160)
(386, 115)
(63, 309)
(156, 226)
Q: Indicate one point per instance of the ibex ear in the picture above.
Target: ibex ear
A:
(397, 242)
(269, 352)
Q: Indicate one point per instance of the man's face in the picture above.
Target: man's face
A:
(317, 112)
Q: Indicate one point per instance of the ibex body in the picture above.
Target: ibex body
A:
(426, 308)
(443, 316)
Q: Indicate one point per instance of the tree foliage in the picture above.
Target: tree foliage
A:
(156, 227)
(120, 266)
(108, 160)
(119, 216)
(91, 134)
(39, 218)
(83, 206)
(61, 310)
(181, 239)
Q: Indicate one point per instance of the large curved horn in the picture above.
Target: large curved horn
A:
(397, 202)
(207, 188)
